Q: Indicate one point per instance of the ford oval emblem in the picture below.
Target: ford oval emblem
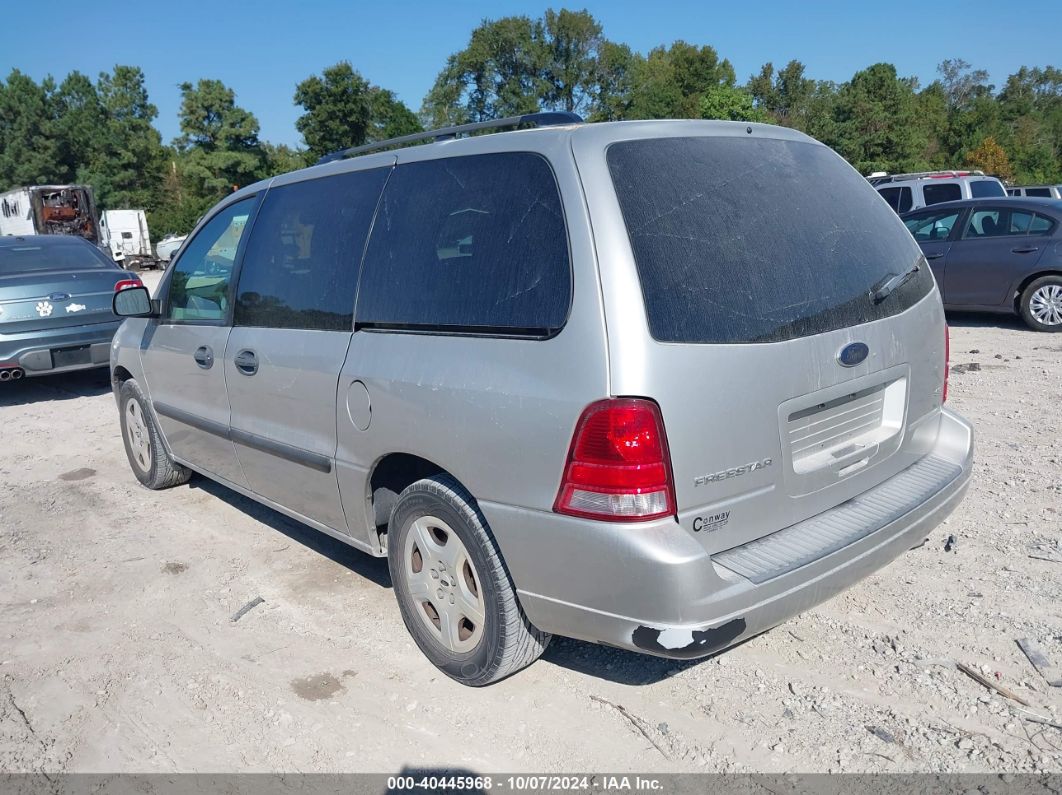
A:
(58, 296)
(852, 354)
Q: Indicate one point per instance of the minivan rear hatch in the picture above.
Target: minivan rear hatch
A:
(791, 333)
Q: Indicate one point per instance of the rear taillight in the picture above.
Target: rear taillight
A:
(947, 361)
(126, 283)
(619, 468)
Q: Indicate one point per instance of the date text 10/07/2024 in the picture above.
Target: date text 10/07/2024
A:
(524, 783)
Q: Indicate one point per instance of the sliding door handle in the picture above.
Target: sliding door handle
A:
(246, 362)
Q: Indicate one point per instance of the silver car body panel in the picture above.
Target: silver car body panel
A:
(499, 413)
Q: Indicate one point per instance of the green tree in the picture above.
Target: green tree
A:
(219, 140)
(876, 121)
(499, 73)
(1030, 111)
(343, 109)
(572, 42)
(390, 117)
(786, 94)
(280, 159)
(338, 109)
(731, 104)
(518, 65)
(126, 159)
(671, 82)
(80, 126)
(612, 82)
(29, 147)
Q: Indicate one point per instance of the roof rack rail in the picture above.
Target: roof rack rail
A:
(544, 119)
(880, 178)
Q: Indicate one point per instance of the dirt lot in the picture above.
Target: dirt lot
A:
(117, 652)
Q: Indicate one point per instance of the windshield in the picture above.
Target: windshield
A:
(66, 256)
(758, 240)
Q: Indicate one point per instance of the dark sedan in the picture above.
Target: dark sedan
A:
(996, 255)
(55, 305)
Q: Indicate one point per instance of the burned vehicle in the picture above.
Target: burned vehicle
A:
(51, 210)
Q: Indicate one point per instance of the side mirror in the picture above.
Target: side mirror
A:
(132, 302)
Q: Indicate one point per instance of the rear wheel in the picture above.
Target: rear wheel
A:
(1041, 304)
(148, 458)
(453, 589)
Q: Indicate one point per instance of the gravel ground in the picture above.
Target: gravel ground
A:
(118, 653)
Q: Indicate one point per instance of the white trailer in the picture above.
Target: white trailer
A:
(130, 242)
(51, 210)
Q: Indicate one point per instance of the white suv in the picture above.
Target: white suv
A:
(905, 192)
(1042, 191)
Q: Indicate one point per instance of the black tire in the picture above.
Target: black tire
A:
(1040, 286)
(507, 642)
(160, 471)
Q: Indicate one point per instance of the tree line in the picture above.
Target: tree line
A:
(101, 132)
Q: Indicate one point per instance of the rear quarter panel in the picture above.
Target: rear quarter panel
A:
(496, 413)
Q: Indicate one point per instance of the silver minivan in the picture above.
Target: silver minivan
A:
(657, 385)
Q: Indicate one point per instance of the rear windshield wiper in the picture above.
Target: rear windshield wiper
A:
(892, 283)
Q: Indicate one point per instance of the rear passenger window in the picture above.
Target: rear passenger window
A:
(1038, 192)
(1040, 225)
(302, 258)
(899, 199)
(944, 192)
(1019, 223)
(469, 244)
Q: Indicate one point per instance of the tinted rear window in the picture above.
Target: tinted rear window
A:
(899, 199)
(1036, 192)
(757, 240)
(983, 188)
(468, 244)
(32, 257)
(302, 258)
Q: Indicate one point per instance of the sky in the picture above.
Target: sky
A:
(263, 49)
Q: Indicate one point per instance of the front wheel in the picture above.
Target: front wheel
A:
(1041, 304)
(148, 458)
(453, 589)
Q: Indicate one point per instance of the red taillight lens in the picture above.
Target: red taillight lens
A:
(619, 468)
(947, 362)
(126, 283)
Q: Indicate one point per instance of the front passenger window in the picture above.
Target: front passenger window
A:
(937, 226)
(199, 286)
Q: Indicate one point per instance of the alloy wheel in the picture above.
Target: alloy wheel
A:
(1046, 305)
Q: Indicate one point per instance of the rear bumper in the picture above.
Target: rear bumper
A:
(654, 589)
(59, 350)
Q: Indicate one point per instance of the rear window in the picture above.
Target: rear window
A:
(1037, 192)
(757, 240)
(33, 257)
(473, 244)
(986, 188)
